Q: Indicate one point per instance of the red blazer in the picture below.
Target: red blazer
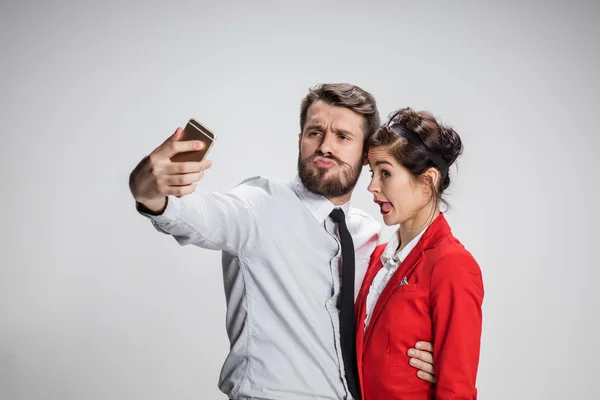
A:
(441, 303)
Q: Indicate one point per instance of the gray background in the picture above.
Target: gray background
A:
(94, 304)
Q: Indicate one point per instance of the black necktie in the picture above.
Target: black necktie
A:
(347, 324)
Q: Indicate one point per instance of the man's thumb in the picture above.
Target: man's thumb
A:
(175, 136)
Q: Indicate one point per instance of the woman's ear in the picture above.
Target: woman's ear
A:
(432, 175)
(435, 176)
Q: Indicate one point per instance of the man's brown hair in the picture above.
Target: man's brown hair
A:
(344, 95)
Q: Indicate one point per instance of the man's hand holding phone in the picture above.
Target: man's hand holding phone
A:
(159, 175)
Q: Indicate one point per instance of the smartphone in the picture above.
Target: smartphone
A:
(194, 130)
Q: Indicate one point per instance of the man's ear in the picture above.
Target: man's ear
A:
(365, 157)
(299, 138)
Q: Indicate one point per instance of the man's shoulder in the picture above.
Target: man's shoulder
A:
(261, 186)
(257, 180)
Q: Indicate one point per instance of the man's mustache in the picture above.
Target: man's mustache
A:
(328, 157)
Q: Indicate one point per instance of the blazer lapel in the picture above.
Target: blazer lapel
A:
(360, 327)
(361, 305)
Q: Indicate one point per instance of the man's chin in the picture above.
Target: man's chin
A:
(324, 187)
(325, 177)
(328, 182)
(321, 170)
(329, 187)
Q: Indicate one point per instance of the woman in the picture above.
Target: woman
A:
(423, 284)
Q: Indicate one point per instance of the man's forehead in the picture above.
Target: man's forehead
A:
(323, 114)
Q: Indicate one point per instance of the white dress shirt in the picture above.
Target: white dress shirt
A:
(390, 265)
(281, 260)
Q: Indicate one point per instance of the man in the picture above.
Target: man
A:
(286, 251)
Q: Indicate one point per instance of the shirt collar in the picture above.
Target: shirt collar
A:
(390, 249)
(319, 206)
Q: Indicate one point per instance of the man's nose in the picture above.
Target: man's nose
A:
(327, 145)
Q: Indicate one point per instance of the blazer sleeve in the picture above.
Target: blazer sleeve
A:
(456, 300)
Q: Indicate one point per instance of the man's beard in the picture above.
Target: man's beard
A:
(313, 177)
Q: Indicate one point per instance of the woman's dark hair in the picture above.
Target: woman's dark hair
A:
(418, 142)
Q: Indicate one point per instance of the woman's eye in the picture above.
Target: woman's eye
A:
(384, 173)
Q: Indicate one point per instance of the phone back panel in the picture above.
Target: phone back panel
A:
(195, 131)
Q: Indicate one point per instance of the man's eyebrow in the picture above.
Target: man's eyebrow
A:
(319, 127)
(346, 132)
(314, 126)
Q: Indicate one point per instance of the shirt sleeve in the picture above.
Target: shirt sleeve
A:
(456, 299)
(215, 220)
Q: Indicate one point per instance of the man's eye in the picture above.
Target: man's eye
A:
(313, 133)
(344, 137)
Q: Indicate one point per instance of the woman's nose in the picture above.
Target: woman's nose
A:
(373, 186)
